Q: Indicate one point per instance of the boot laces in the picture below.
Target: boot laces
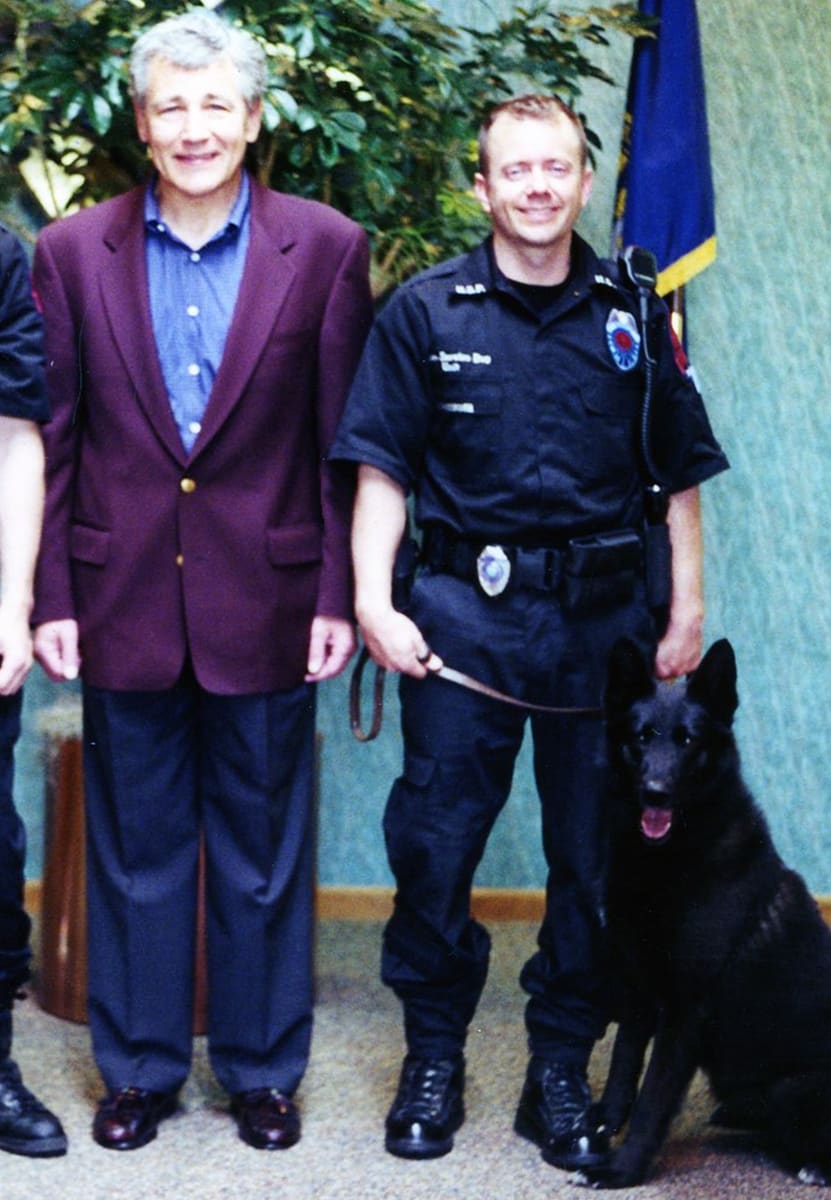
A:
(424, 1086)
(15, 1097)
(566, 1096)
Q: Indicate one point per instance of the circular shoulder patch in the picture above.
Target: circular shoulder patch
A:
(623, 339)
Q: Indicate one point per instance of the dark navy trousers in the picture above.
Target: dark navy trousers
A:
(163, 769)
(459, 753)
(14, 921)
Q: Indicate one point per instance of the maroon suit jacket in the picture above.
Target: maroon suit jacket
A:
(228, 552)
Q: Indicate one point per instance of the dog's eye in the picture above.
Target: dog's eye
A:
(682, 736)
(646, 733)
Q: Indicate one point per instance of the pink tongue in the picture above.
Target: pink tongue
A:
(655, 823)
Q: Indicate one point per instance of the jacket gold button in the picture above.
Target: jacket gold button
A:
(188, 485)
(180, 558)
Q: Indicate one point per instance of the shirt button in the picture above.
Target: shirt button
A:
(193, 369)
(187, 485)
(193, 310)
(196, 256)
(195, 427)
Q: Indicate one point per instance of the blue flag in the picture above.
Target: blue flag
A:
(664, 198)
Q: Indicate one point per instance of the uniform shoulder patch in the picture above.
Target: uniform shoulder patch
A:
(623, 339)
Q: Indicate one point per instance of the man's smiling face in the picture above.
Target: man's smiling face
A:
(196, 125)
(536, 183)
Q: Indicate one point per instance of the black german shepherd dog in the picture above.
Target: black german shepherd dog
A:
(724, 955)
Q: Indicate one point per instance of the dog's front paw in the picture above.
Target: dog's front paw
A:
(607, 1119)
(614, 1173)
(815, 1175)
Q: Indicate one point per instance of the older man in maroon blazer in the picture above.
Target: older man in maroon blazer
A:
(202, 333)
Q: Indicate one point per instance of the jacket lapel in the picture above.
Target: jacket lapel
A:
(266, 282)
(126, 298)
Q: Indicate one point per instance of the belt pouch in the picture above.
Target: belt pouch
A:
(601, 569)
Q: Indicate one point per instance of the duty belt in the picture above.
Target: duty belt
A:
(493, 566)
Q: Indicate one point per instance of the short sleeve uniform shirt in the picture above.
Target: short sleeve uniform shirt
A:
(22, 384)
(521, 425)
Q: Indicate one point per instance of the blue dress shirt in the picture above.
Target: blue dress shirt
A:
(192, 299)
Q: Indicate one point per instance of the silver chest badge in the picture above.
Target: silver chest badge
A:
(493, 570)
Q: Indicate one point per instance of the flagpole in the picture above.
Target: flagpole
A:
(677, 304)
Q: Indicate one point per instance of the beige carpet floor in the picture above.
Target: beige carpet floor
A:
(351, 1079)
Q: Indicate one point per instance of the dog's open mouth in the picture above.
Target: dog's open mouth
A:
(656, 823)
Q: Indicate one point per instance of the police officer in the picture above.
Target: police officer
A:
(26, 1126)
(504, 389)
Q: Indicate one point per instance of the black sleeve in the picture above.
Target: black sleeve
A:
(387, 416)
(22, 382)
(684, 447)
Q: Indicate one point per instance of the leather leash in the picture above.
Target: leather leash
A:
(451, 675)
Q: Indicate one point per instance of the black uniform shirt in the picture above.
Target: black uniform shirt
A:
(517, 425)
(22, 385)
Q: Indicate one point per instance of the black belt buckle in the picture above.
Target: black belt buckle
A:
(493, 570)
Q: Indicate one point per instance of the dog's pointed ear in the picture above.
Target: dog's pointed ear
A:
(628, 678)
(713, 683)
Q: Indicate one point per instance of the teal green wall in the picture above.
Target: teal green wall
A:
(760, 324)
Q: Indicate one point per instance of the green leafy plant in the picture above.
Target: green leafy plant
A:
(372, 105)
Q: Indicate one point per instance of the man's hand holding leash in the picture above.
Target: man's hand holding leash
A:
(394, 642)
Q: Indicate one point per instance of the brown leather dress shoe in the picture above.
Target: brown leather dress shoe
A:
(266, 1119)
(129, 1118)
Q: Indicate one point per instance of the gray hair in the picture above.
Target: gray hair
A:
(194, 39)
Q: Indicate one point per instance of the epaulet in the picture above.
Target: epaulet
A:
(442, 270)
(610, 274)
(470, 289)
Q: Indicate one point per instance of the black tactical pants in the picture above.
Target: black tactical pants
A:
(460, 750)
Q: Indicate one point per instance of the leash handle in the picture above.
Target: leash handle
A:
(361, 734)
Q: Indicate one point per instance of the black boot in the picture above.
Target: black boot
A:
(26, 1126)
(554, 1112)
(428, 1108)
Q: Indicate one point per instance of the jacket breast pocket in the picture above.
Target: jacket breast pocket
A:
(286, 346)
(89, 545)
(290, 357)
